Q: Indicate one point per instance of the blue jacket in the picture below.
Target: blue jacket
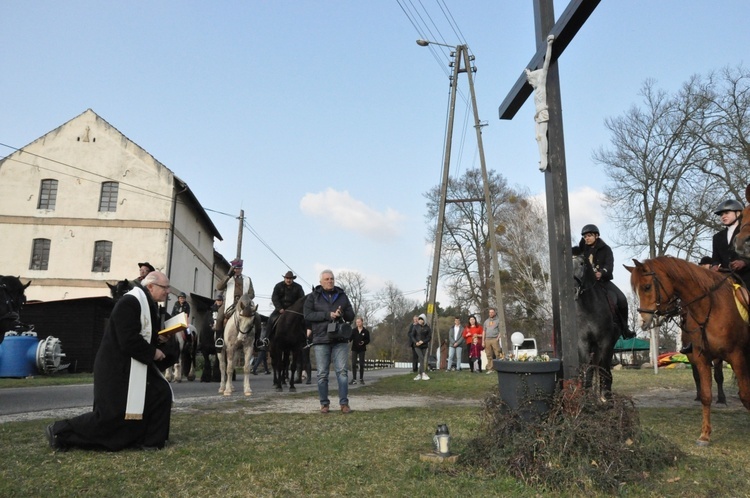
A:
(318, 308)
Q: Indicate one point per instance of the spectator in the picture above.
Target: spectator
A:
(325, 309)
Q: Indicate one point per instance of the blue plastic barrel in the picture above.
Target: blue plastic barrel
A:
(18, 356)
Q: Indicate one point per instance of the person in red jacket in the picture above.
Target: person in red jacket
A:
(472, 329)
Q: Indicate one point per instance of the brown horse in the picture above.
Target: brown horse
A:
(708, 308)
(742, 239)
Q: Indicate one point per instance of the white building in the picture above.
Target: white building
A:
(83, 205)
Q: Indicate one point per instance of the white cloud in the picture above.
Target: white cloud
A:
(341, 211)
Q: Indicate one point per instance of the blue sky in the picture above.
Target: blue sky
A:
(324, 120)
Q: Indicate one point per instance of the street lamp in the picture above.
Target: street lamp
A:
(424, 43)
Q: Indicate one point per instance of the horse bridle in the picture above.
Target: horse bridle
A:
(13, 313)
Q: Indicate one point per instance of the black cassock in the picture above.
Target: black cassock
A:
(105, 427)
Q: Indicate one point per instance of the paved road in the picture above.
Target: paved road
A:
(31, 403)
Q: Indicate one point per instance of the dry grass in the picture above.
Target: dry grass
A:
(376, 453)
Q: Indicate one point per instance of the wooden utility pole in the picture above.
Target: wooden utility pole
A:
(239, 233)
(462, 64)
(556, 183)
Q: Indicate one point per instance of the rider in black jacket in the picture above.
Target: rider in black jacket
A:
(602, 261)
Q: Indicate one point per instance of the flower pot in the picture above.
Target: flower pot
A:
(527, 387)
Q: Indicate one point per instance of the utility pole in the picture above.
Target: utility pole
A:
(462, 64)
(239, 234)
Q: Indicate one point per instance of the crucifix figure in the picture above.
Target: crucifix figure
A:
(565, 333)
(538, 81)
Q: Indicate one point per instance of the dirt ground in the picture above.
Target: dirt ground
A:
(653, 398)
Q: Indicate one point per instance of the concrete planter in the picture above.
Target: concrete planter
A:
(527, 387)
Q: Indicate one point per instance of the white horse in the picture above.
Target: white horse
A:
(239, 332)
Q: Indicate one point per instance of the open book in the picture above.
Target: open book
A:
(175, 324)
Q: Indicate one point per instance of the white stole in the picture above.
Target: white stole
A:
(138, 370)
(229, 298)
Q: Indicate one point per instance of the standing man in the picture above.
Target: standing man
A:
(457, 342)
(132, 400)
(235, 284)
(414, 357)
(360, 340)
(420, 337)
(143, 270)
(324, 308)
(493, 345)
(285, 294)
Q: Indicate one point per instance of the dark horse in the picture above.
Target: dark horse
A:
(287, 338)
(12, 298)
(598, 330)
(207, 347)
(712, 313)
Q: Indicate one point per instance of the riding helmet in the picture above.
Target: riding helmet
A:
(729, 205)
(589, 229)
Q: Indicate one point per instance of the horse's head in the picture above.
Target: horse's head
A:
(119, 289)
(583, 274)
(742, 240)
(246, 307)
(12, 298)
(654, 293)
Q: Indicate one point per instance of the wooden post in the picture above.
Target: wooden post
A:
(565, 328)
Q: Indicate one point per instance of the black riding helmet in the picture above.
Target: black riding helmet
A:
(589, 229)
(729, 205)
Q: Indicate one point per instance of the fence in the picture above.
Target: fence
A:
(378, 364)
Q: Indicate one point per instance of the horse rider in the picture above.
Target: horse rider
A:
(235, 284)
(724, 257)
(285, 293)
(602, 261)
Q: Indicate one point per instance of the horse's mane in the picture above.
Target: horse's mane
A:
(679, 270)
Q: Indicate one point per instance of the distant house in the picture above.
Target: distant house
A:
(83, 205)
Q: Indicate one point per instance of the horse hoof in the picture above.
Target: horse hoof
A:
(292, 389)
(701, 443)
(249, 393)
(227, 393)
(279, 389)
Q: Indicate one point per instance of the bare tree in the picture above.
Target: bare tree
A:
(525, 253)
(396, 306)
(465, 262)
(355, 286)
(672, 161)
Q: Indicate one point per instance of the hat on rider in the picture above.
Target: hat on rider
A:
(219, 296)
(289, 274)
(147, 265)
(182, 294)
(729, 205)
(237, 263)
(589, 229)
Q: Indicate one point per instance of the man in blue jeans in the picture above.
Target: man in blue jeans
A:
(325, 307)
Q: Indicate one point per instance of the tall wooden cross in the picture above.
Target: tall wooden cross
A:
(555, 176)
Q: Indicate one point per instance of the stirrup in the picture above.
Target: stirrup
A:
(219, 343)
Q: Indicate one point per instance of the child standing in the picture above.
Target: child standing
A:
(475, 353)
